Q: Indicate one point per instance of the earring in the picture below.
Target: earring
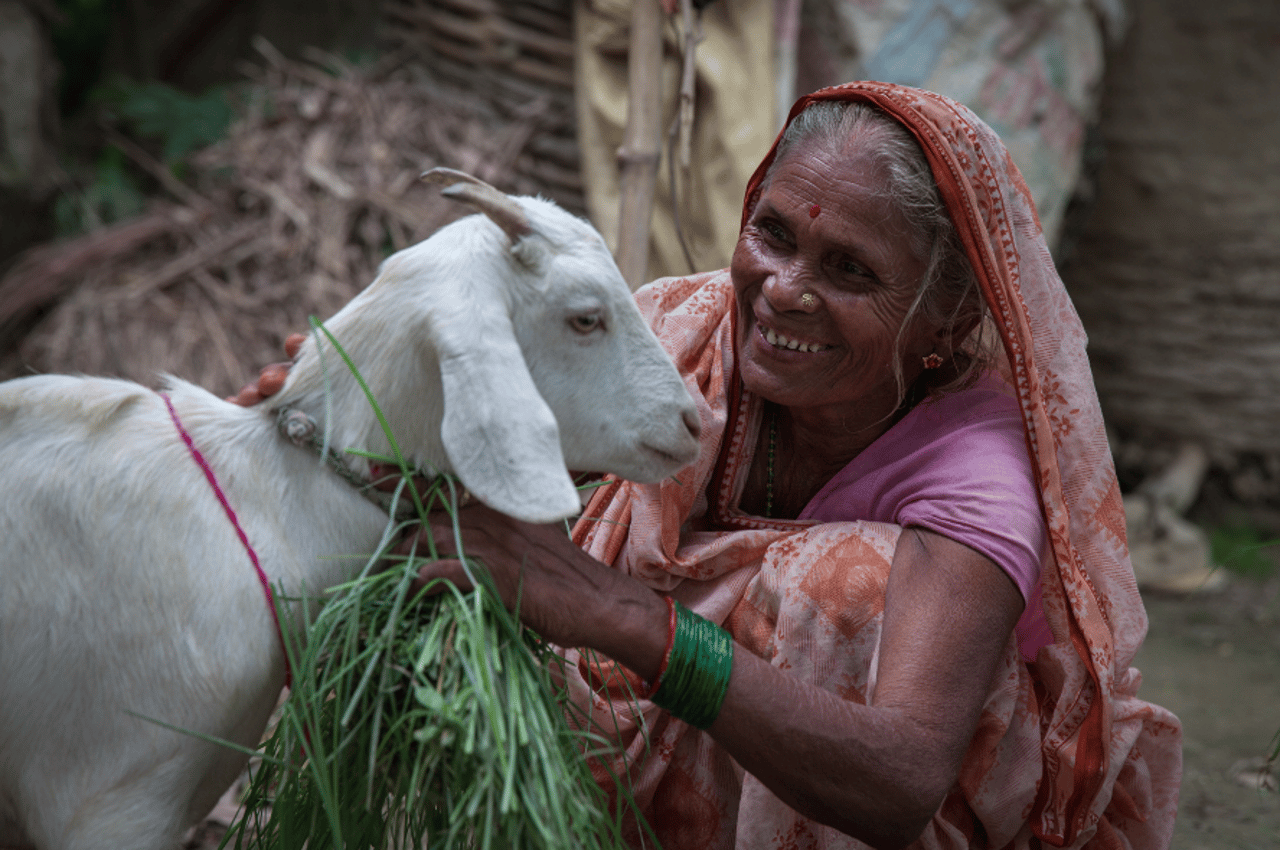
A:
(808, 300)
(933, 361)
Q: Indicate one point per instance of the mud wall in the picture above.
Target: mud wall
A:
(1176, 272)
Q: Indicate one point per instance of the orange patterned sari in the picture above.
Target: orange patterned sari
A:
(1065, 753)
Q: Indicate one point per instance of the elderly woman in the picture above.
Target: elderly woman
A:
(891, 602)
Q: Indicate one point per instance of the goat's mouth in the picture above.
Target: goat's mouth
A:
(668, 459)
(662, 454)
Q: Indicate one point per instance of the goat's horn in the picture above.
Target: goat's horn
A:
(498, 206)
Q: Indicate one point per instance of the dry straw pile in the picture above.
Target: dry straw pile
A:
(288, 217)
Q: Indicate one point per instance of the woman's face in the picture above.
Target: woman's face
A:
(824, 226)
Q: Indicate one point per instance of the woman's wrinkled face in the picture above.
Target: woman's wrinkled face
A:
(825, 227)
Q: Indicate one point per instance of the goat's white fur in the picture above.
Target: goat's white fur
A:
(124, 590)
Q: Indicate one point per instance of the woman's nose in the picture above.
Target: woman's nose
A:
(788, 289)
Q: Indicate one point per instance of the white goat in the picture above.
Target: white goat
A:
(125, 592)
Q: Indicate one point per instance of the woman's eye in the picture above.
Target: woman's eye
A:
(852, 269)
(774, 231)
(586, 323)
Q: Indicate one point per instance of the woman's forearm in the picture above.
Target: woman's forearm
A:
(873, 773)
(877, 772)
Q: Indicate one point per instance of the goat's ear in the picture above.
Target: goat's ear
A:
(501, 437)
(500, 207)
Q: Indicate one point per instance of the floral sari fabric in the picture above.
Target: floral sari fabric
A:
(1065, 753)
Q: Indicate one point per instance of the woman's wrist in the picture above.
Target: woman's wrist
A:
(654, 684)
(684, 660)
(693, 678)
(635, 632)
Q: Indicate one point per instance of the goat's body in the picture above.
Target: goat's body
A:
(176, 614)
(126, 595)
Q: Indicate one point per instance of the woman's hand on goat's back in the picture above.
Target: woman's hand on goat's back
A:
(272, 376)
(566, 596)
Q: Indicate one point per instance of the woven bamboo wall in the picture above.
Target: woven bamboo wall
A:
(516, 58)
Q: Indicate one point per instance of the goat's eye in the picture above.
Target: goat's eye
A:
(585, 323)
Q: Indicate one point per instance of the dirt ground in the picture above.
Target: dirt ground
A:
(1214, 660)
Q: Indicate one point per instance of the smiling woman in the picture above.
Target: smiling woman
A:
(848, 317)
(822, 300)
(857, 267)
(916, 547)
(890, 603)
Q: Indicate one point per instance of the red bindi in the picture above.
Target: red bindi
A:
(814, 210)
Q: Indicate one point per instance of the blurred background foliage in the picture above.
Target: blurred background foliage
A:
(164, 75)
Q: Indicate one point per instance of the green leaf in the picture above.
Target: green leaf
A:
(181, 122)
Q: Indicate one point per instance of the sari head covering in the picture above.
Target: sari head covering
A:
(1065, 754)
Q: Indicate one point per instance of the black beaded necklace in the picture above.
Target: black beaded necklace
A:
(773, 451)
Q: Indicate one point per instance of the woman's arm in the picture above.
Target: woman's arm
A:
(876, 772)
(879, 772)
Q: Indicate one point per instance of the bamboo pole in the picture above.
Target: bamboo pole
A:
(641, 144)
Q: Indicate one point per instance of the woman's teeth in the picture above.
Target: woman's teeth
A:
(777, 340)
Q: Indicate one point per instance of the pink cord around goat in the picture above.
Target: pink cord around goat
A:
(235, 523)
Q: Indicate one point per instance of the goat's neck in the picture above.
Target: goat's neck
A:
(404, 378)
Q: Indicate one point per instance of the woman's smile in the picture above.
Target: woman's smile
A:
(785, 342)
(822, 298)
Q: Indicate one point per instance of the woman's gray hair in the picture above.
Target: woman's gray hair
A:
(949, 295)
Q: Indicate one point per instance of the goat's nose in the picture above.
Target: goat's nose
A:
(692, 422)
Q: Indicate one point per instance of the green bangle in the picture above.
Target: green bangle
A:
(697, 674)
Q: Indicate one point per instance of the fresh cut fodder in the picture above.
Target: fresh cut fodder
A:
(422, 717)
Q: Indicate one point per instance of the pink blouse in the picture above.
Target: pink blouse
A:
(957, 466)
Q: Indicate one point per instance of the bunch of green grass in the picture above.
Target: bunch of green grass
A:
(417, 721)
(422, 719)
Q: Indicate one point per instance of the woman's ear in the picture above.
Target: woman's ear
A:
(950, 339)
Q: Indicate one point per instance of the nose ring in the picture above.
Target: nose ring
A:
(808, 300)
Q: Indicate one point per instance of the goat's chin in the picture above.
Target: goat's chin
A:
(652, 466)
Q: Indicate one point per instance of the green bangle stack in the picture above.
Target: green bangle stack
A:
(696, 674)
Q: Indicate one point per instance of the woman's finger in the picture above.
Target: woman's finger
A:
(269, 382)
(247, 396)
(272, 378)
(418, 542)
(292, 343)
(433, 575)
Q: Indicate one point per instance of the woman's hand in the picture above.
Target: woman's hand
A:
(272, 376)
(556, 589)
(877, 772)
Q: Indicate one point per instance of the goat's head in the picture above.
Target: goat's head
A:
(547, 364)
